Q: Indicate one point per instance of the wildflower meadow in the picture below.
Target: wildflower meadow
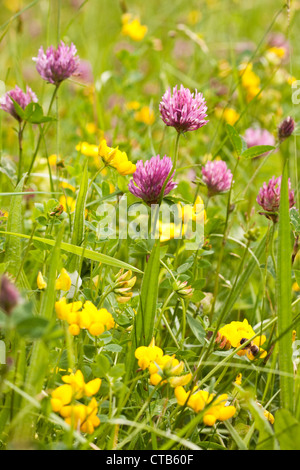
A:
(149, 226)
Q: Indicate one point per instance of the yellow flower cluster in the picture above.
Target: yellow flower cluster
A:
(188, 213)
(217, 409)
(250, 81)
(79, 415)
(236, 333)
(116, 159)
(162, 368)
(90, 318)
(132, 27)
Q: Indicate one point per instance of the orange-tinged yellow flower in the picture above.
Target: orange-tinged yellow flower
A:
(114, 158)
(3, 213)
(230, 115)
(132, 27)
(52, 159)
(91, 128)
(236, 333)
(295, 287)
(238, 379)
(188, 214)
(67, 185)
(81, 416)
(146, 355)
(61, 397)
(89, 150)
(250, 81)
(133, 105)
(68, 203)
(41, 283)
(63, 282)
(145, 115)
(64, 310)
(96, 321)
(162, 368)
(199, 400)
(79, 387)
(269, 416)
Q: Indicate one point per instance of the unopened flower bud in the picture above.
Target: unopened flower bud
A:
(206, 303)
(121, 276)
(182, 289)
(286, 128)
(57, 211)
(253, 234)
(170, 369)
(9, 295)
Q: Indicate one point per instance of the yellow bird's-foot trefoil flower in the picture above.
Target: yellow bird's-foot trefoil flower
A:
(41, 283)
(63, 282)
(237, 333)
(114, 158)
(132, 27)
(217, 408)
(162, 368)
(63, 399)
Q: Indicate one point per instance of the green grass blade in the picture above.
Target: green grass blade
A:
(38, 366)
(79, 251)
(144, 322)
(78, 227)
(284, 276)
(13, 246)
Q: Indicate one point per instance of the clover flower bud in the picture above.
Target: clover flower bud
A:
(9, 295)
(286, 128)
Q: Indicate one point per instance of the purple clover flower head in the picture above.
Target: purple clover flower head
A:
(269, 198)
(18, 95)
(286, 128)
(149, 178)
(217, 177)
(9, 295)
(56, 65)
(183, 110)
(258, 136)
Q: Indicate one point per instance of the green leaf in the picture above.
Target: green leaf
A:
(102, 366)
(117, 371)
(196, 328)
(235, 138)
(78, 250)
(34, 327)
(287, 430)
(284, 289)
(257, 151)
(295, 219)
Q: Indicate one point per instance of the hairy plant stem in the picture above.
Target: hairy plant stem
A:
(20, 141)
